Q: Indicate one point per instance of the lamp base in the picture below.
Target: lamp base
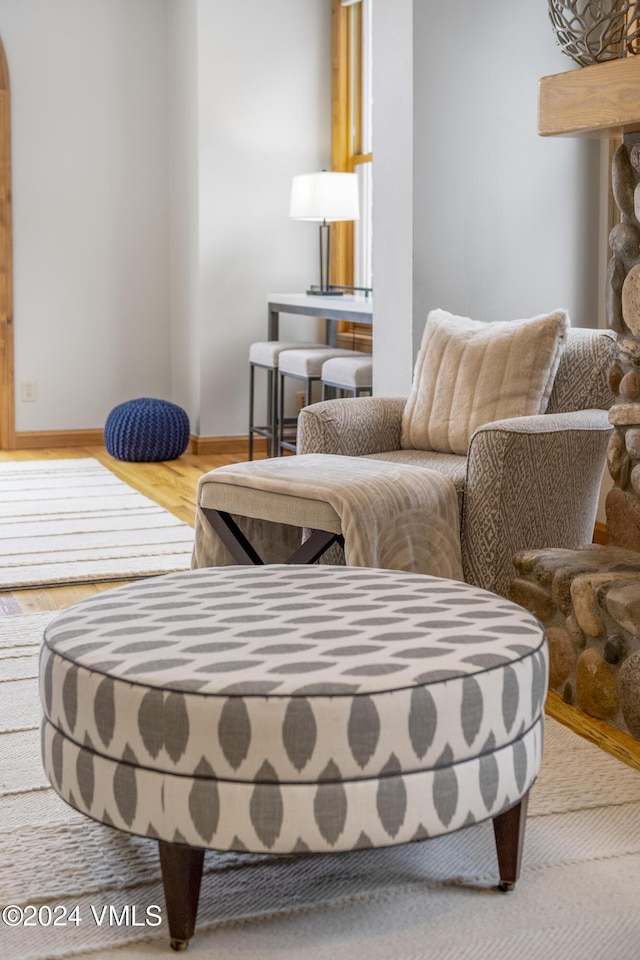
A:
(319, 292)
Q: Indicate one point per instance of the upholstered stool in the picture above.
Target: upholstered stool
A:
(294, 509)
(146, 430)
(342, 375)
(283, 708)
(264, 354)
(305, 365)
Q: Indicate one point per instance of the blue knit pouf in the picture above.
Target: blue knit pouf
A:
(146, 430)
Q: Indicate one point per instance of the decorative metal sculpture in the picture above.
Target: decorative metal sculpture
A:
(592, 31)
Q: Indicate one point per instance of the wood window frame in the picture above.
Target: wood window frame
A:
(346, 145)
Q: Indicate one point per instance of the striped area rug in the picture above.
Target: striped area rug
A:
(73, 521)
(437, 900)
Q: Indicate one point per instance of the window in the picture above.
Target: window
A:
(352, 109)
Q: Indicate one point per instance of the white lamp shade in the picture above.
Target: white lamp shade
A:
(325, 196)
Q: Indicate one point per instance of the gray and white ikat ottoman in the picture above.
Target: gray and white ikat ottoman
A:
(293, 708)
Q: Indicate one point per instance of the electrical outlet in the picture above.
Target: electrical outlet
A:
(29, 391)
(301, 400)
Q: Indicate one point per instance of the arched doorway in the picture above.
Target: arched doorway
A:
(7, 411)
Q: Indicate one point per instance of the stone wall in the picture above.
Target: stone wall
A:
(589, 598)
(623, 316)
(589, 601)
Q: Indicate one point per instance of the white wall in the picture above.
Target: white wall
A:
(263, 116)
(184, 199)
(393, 206)
(90, 205)
(154, 143)
(505, 223)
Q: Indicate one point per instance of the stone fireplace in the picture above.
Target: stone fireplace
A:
(589, 598)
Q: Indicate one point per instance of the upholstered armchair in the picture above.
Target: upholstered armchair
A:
(525, 482)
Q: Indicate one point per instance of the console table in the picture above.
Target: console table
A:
(356, 308)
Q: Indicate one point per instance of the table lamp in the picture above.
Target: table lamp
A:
(325, 197)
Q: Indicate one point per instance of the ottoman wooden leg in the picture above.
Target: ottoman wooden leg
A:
(181, 876)
(508, 828)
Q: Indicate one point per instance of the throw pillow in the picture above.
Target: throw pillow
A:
(469, 373)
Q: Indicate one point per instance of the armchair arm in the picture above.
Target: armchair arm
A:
(352, 427)
(532, 482)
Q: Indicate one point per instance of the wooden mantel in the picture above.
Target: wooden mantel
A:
(598, 101)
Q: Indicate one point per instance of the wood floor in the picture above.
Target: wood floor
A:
(173, 485)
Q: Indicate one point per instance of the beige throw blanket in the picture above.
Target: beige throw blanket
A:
(393, 516)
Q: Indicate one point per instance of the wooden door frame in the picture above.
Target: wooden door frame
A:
(342, 231)
(7, 402)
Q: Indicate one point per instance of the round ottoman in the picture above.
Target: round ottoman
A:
(293, 708)
(146, 430)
